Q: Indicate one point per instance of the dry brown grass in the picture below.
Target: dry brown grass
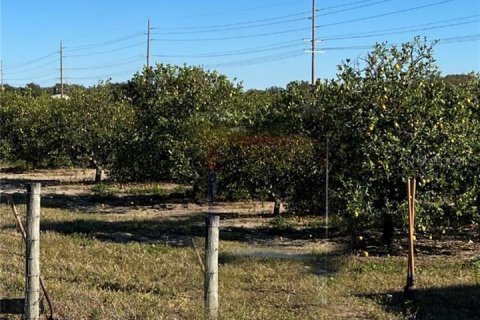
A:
(129, 277)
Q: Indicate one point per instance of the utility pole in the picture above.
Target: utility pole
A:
(326, 188)
(313, 41)
(148, 42)
(1, 75)
(61, 69)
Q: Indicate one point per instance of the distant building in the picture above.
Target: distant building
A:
(59, 96)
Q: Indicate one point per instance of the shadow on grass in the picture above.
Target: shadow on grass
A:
(320, 264)
(171, 231)
(444, 303)
(176, 233)
(88, 202)
(16, 183)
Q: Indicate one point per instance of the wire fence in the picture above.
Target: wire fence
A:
(12, 249)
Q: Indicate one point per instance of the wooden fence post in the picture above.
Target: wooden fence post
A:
(32, 284)
(410, 291)
(211, 267)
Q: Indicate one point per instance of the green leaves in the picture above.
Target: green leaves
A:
(392, 118)
(386, 117)
(178, 112)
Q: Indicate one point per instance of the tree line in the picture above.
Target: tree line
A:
(383, 119)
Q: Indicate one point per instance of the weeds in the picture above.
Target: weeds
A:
(102, 189)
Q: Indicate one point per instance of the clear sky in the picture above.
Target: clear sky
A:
(259, 42)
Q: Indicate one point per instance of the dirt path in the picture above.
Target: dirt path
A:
(251, 221)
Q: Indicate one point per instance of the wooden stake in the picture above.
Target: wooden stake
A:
(32, 290)
(410, 292)
(211, 267)
(412, 229)
(199, 258)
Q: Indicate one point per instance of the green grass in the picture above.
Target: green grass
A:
(91, 277)
(281, 223)
(102, 190)
(105, 189)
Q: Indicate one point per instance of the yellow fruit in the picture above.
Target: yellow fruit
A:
(469, 100)
(365, 253)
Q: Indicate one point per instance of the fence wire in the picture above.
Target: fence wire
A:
(12, 250)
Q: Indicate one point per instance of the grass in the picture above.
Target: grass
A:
(105, 189)
(91, 276)
(281, 222)
(102, 190)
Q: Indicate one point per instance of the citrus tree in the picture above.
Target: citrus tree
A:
(392, 117)
(178, 111)
(32, 130)
(98, 125)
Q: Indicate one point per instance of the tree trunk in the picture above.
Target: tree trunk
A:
(388, 229)
(276, 207)
(98, 174)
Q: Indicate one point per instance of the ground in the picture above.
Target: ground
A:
(125, 252)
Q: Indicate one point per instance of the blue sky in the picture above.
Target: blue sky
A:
(259, 42)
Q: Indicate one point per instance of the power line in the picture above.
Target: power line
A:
(38, 76)
(104, 76)
(450, 40)
(290, 43)
(256, 23)
(348, 35)
(472, 37)
(385, 14)
(237, 23)
(104, 43)
(18, 65)
(18, 84)
(287, 44)
(232, 28)
(353, 8)
(34, 68)
(343, 5)
(260, 22)
(223, 13)
(399, 32)
(106, 51)
(108, 31)
(106, 66)
(304, 29)
(236, 37)
(258, 60)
